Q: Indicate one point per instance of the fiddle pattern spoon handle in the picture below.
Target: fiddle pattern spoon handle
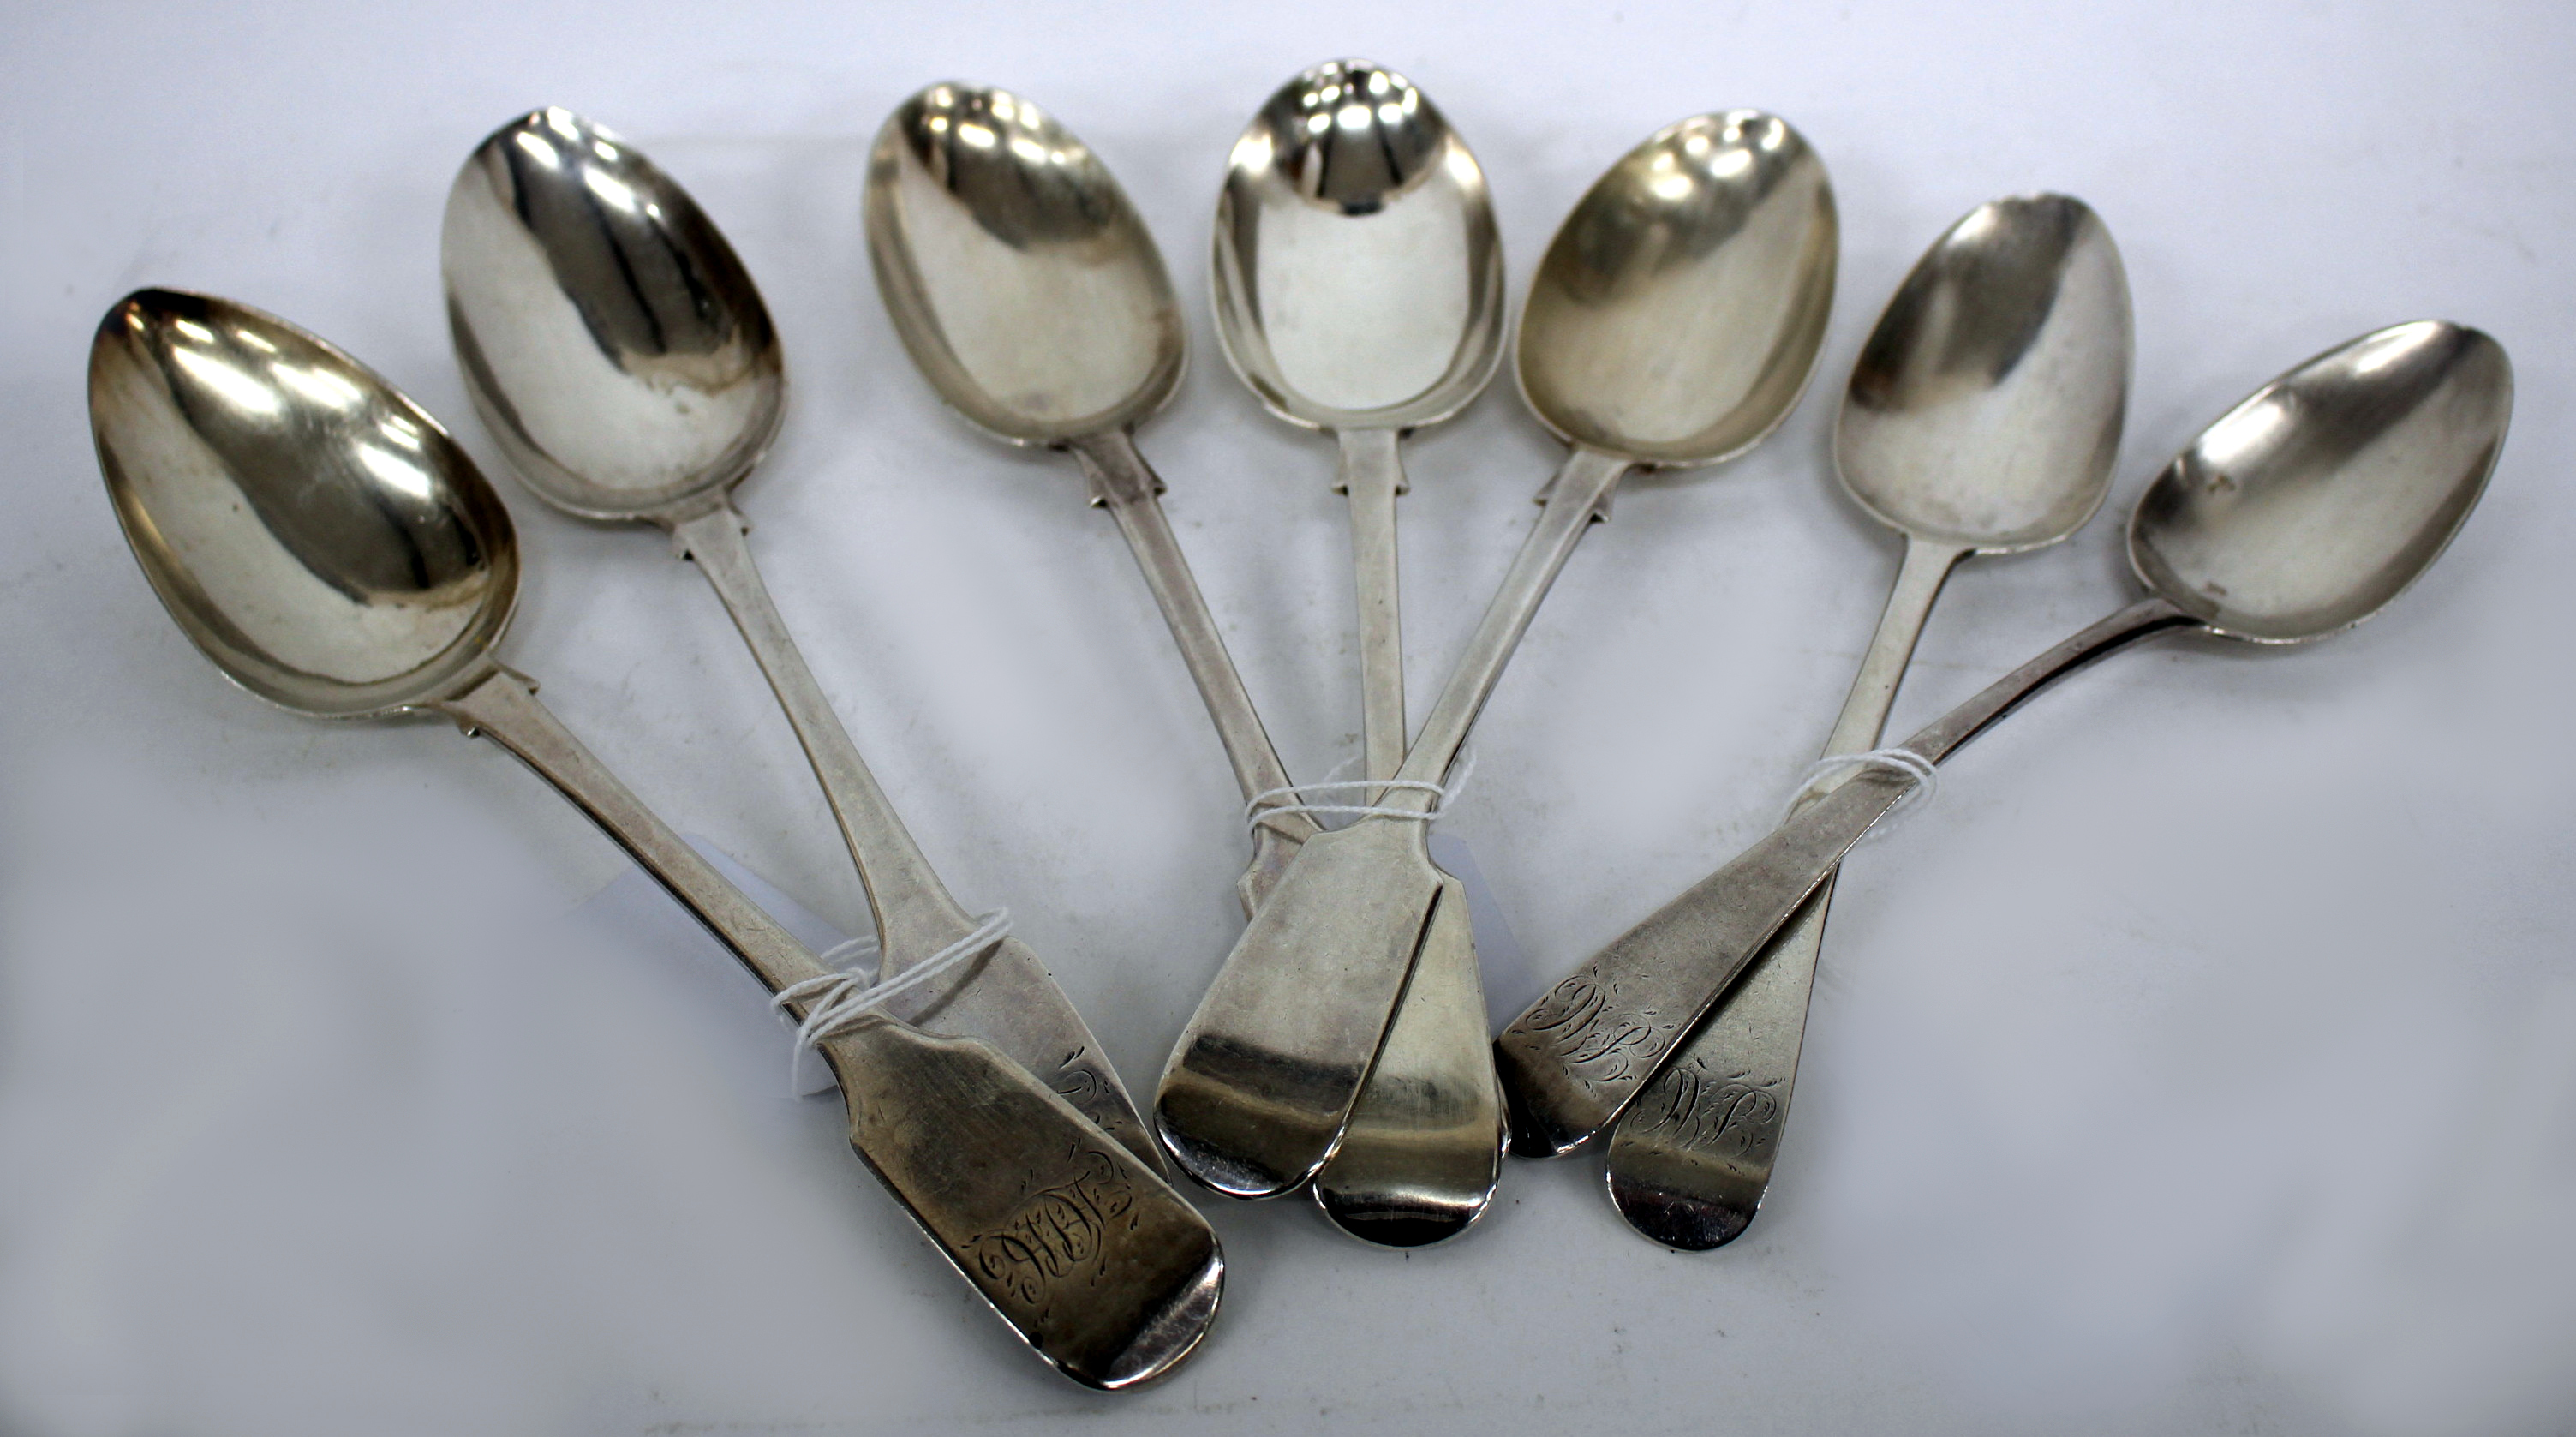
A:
(1689, 1164)
(1576, 1058)
(915, 915)
(1007, 998)
(1372, 475)
(504, 708)
(1423, 1147)
(1075, 1240)
(1124, 484)
(1578, 494)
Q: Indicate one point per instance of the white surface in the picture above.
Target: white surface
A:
(2205, 1060)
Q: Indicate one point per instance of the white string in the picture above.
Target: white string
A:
(1254, 814)
(840, 999)
(1904, 761)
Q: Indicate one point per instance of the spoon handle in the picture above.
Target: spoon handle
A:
(1689, 1163)
(1372, 475)
(915, 915)
(1124, 484)
(1073, 1238)
(504, 708)
(1578, 495)
(1575, 1060)
(1423, 1146)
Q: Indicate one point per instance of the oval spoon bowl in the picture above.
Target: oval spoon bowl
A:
(613, 342)
(1019, 277)
(1690, 234)
(1358, 271)
(312, 530)
(2308, 507)
(1985, 410)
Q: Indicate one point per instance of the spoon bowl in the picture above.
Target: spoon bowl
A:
(1675, 321)
(316, 534)
(1358, 271)
(328, 546)
(614, 344)
(1022, 282)
(1982, 417)
(2307, 507)
(1679, 310)
(1985, 410)
(2301, 511)
(620, 350)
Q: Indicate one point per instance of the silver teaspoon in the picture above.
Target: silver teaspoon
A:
(1359, 290)
(325, 542)
(2301, 511)
(620, 354)
(1673, 322)
(1028, 292)
(1982, 418)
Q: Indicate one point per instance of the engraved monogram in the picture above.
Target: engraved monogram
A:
(1077, 1085)
(1058, 1231)
(1688, 1109)
(1596, 1041)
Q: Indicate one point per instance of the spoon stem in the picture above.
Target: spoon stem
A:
(1372, 475)
(1577, 1058)
(503, 707)
(915, 916)
(1124, 484)
(917, 1101)
(1919, 579)
(1689, 1165)
(1577, 496)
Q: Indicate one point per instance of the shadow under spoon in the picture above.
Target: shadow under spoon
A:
(1673, 322)
(1983, 417)
(331, 549)
(621, 356)
(2300, 512)
(1358, 285)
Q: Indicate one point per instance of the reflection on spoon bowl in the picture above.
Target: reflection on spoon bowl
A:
(1019, 277)
(321, 538)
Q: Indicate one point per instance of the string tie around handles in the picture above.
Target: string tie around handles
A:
(1304, 797)
(1825, 771)
(841, 998)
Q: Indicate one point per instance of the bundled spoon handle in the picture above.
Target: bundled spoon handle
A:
(503, 707)
(1372, 474)
(1128, 488)
(1262, 1082)
(1578, 495)
(915, 915)
(1689, 1165)
(1575, 1059)
(1076, 1242)
(1007, 998)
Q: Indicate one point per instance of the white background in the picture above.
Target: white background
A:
(2204, 1060)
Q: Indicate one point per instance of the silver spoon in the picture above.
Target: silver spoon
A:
(620, 354)
(1028, 292)
(1673, 322)
(326, 543)
(2300, 512)
(1982, 418)
(1359, 290)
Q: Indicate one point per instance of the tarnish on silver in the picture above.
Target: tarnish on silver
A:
(1027, 291)
(1358, 285)
(1673, 321)
(333, 550)
(1983, 417)
(2302, 511)
(621, 356)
